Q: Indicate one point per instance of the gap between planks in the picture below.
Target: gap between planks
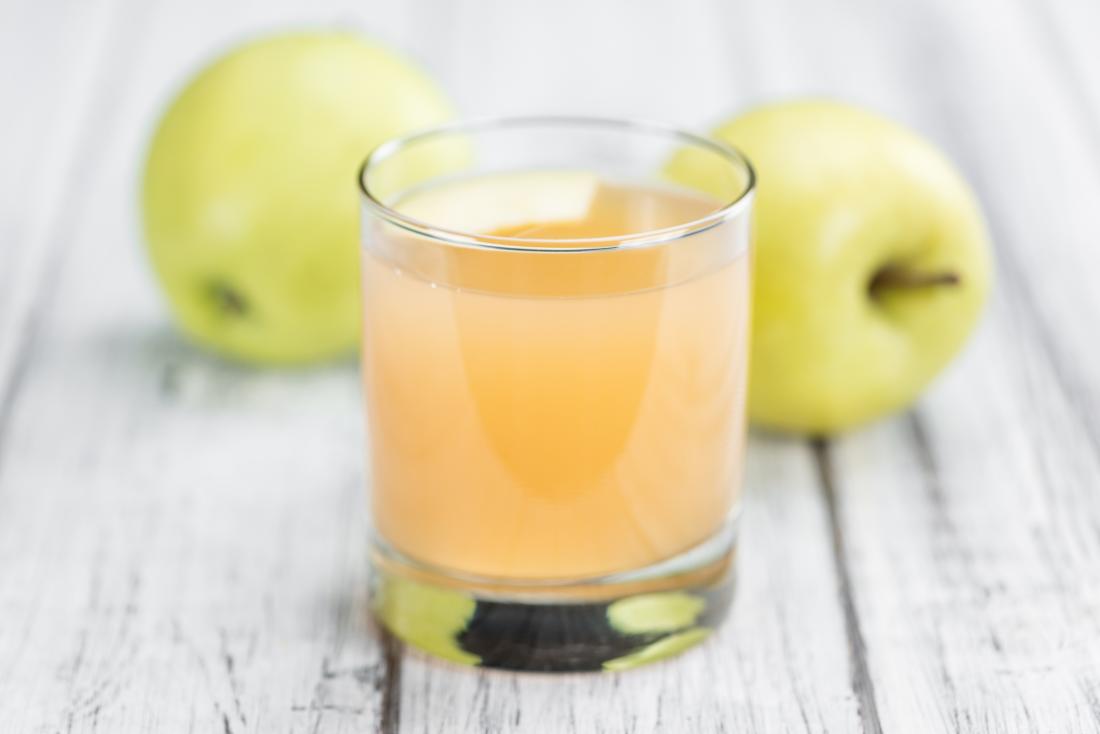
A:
(393, 650)
(862, 685)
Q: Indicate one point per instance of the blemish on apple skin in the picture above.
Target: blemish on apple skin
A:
(226, 299)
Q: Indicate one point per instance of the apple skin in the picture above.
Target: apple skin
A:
(249, 199)
(844, 195)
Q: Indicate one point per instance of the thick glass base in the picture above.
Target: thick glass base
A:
(611, 622)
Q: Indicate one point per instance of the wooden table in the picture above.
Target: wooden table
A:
(182, 540)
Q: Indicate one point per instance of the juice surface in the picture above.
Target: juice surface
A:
(555, 414)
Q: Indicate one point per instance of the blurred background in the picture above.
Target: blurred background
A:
(1009, 89)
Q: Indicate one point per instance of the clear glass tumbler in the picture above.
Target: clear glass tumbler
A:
(555, 330)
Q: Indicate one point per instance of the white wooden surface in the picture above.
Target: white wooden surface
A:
(181, 540)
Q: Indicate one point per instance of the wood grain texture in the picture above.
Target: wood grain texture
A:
(182, 542)
(53, 102)
(969, 525)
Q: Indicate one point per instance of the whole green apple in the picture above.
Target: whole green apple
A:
(872, 262)
(250, 205)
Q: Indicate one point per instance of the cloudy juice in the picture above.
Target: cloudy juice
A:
(568, 409)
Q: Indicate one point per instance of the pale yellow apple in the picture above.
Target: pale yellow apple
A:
(872, 262)
(250, 202)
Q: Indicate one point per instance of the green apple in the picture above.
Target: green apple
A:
(871, 264)
(250, 204)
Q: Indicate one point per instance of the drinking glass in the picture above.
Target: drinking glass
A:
(555, 330)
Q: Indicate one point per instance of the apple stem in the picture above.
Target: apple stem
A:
(891, 277)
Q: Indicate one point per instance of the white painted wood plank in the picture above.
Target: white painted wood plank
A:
(613, 58)
(52, 57)
(970, 526)
(974, 556)
(1068, 32)
(182, 542)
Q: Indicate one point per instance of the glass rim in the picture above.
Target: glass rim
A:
(644, 238)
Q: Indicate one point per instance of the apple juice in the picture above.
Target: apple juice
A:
(553, 412)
